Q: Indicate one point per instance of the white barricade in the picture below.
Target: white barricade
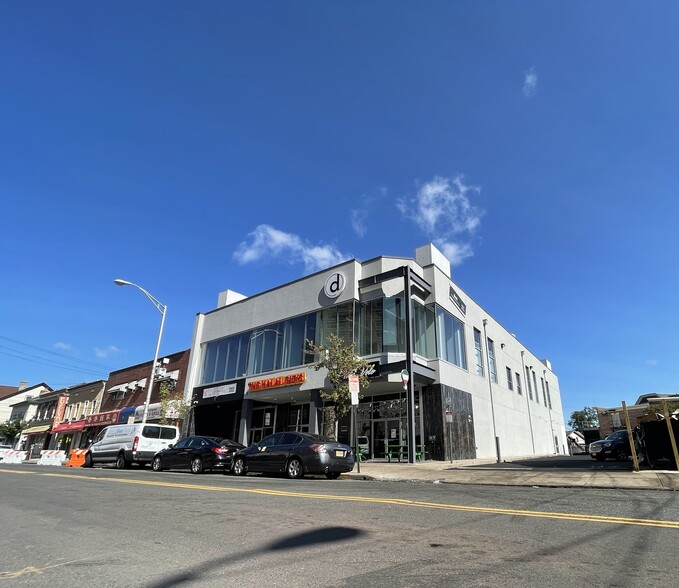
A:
(52, 457)
(12, 456)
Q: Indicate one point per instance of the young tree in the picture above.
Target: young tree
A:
(11, 429)
(587, 418)
(170, 399)
(340, 359)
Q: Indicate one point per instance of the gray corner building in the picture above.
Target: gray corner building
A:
(473, 391)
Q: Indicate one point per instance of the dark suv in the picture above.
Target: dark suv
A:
(615, 445)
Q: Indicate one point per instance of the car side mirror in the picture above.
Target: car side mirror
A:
(170, 446)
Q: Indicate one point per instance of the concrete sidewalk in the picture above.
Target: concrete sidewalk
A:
(493, 474)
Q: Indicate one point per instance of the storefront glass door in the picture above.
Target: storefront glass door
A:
(386, 433)
(262, 423)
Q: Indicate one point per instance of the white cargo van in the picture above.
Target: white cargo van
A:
(127, 444)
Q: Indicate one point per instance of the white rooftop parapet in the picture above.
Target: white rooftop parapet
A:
(428, 255)
(229, 297)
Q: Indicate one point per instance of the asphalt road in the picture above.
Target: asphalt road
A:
(73, 527)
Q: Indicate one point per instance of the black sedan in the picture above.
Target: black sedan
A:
(295, 454)
(197, 454)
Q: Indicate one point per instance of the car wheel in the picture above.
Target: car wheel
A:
(295, 470)
(621, 454)
(599, 457)
(332, 475)
(239, 468)
(157, 464)
(196, 465)
(121, 462)
(88, 461)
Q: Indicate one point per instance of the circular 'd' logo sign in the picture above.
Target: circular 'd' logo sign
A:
(334, 285)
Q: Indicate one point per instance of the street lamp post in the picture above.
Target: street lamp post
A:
(162, 309)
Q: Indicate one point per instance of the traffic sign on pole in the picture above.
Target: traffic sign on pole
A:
(354, 389)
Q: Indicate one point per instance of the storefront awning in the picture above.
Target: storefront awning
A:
(69, 427)
(102, 418)
(37, 429)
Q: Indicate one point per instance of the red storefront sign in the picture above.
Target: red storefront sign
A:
(60, 411)
(102, 418)
(279, 382)
(69, 427)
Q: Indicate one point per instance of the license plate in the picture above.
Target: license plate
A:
(339, 453)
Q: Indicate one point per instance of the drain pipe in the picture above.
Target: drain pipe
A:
(490, 387)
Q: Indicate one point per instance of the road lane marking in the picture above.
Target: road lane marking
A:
(666, 524)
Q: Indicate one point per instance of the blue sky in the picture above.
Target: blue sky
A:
(195, 147)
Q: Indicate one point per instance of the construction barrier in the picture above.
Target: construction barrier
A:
(76, 459)
(52, 457)
(11, 456)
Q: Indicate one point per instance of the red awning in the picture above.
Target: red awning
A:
(102, 418)
(69, 427)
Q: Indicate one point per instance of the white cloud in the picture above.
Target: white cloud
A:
(443, 210)
(269, 243)
(530, 82)
(63, 346)
(107, 351)
(651, 362)
(358, 218)
(359, 215)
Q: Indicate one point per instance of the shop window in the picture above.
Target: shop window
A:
(270, 347)
(298, 418)
(393, 329)
(424, 330)
(450, 337)
(477, 353)
(369, 322)
(491, 360)
(537, 394)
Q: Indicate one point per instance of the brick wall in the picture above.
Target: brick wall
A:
(178, 361)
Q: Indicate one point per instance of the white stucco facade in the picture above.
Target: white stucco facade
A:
(458, 412)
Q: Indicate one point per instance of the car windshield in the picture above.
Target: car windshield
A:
(617, 435)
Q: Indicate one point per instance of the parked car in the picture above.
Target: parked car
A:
(295, 454)
(615, 445)
(197, 453)
(127, 444)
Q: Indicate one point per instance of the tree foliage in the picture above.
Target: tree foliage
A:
(10, 429)
(587, 418)
(170, 398)
(340, 359)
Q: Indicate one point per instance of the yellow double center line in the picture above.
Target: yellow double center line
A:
(392, 501)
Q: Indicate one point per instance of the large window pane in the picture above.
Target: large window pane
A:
(450, 337)
(393, 330)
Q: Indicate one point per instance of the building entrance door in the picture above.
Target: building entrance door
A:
(386, 433)
(262, 423)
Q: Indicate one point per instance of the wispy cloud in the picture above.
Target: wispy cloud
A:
(63, 346)
(106, 351)
(443, 210)
(651, 362)
(359, 215)
(530, 82)
(268, 243)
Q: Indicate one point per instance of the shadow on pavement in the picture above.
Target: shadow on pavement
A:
(568, 462)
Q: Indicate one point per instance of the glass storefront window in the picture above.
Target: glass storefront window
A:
(271, 347)
(450, 337)
(424, 328)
